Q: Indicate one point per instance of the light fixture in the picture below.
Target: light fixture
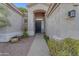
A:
(72, 13)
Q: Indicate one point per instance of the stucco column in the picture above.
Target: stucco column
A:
(31, 30)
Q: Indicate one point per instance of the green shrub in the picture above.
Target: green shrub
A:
(54, 47)
(4, 22)
(66, 47)
(46, 38)
(68, 44)
(76, 47)
(25, 34)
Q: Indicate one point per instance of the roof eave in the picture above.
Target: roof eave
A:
(52, 8)
(13, 7)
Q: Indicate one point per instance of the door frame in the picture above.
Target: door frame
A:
(39, 25)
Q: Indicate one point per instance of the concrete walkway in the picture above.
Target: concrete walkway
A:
(39, 47)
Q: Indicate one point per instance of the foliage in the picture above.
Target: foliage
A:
(23, 10)
(66, 47)
(46, 38)
(68, 44)
(3, 17)
(3, 11)
(54, 47)
(25, 34)
(3, 22)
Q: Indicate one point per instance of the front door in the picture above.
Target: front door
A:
(37, 26)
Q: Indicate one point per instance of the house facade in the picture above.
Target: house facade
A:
(61, 20)
(15, 20)
(56, 20)
(36, 18)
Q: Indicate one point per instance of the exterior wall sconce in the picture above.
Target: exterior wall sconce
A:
(72, 13)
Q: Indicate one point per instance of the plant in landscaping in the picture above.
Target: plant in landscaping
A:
(66, 47)
(25, 34)
(76, 47)
(3, 17)
(3, 22)
(46, 38)
(54, 47)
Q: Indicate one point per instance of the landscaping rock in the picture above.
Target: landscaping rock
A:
(13, 40)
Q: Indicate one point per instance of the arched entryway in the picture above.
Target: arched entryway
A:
(39, 19)
(33, 12)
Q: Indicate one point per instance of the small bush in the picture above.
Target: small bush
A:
(55, 47)
(25, 34)
(76, 47)
(46, 38)
(66, 47)
(68, 44)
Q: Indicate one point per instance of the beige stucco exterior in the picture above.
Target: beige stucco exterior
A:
(15, 28)
(31, 23)
(59, 25)
(57, 22)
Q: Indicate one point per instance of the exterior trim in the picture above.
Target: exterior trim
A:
(32, 4)
(52, 8)
(14, 8)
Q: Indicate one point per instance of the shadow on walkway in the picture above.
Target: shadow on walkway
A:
(39, 47)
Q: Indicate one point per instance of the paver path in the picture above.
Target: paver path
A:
(20, 48)
(39, 47)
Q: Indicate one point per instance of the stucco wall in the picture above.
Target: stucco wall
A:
(59, 25)
(16, 23)
(31, 24)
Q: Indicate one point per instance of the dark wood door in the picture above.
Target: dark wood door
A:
(37, 26)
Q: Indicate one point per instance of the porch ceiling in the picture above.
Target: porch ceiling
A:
(32, 4)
